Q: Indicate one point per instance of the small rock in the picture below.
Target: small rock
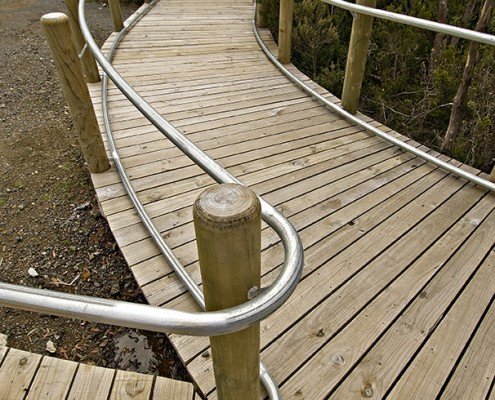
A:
(115, 289)
(82, 207)
(50, 347)
(21, 207)
(32, 272)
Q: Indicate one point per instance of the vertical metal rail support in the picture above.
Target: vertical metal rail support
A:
(227, 220)
(116, 14)
(285, 30)
(87, 60)
(356, 57)
(58, 35)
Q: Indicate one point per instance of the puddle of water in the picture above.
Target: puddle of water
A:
(147, 353)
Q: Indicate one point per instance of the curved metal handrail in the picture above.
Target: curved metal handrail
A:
(414, 21)
(162, 319)
(365, 125)
(266, 378)
(239, 317)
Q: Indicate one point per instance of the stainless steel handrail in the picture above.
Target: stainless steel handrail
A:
(266, 378)
(413, 21)
(162, 319)
(370, 128)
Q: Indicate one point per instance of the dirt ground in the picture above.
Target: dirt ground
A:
(49, 220)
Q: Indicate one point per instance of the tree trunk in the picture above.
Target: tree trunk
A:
(438, 42)
(472, 58)
(466, 17)
(489, 153)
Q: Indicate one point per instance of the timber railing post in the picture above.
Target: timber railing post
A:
(116, 14)
(69, 69)
(227, 220)
(87, 59)
(356, 58)
(285, 30)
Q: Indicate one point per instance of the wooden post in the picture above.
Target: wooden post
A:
(57, 31)
(356, 58)
(118, 23)
(285, 30)
(87, 59)
(227, 220)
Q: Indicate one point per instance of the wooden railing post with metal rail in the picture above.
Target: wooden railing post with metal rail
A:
(58, 35)
(285, 30)
(356, 57)
(116, 13)
(87, 60)
(227, 220)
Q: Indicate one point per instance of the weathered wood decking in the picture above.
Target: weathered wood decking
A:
(397, 293)
(30, 376)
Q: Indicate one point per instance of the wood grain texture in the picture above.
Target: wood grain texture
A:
(116, 13)
(53, 379)
(131, 386)
(25, 375)
(286, 16)
(59, 37)
(168, 389)
(16, 374)
(227, 221)
(356, 57)
(91, 383)
(87, 60)
(380, 228)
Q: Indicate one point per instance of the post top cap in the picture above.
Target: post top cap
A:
(54, 18)
(226, 206)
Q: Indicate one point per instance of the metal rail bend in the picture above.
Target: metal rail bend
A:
(162, 319)
(465, 33)
(266, 378)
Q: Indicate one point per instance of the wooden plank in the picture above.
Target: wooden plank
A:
(340, 236)
(125, 230)
(384, 362)
(145, 253)
(53, 379)
(3, 347)
(308, 141)
(166, 290)
(168, 389)
(431, 367)
(16, 373)
(131, 386)
(476, 369)
(321, 198)
(91, 383)
(374, 278)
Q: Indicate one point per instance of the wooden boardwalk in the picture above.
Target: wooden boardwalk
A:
(396, 298)
(30, 376)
